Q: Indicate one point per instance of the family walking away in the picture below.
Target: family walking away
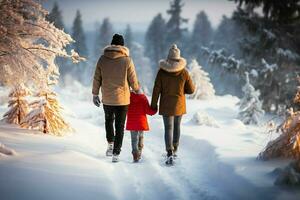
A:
(122, 97)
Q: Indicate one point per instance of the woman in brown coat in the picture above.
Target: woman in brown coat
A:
(171, 84)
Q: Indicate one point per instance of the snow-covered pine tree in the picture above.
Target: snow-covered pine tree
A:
(226, 35)
(273, 37)
(204, 88)
(79, 46)
(143, 66)
(46, 111)
(174, 29)
(103, 36)
(225, 70)
(128, 36)
(18, 104)
(78, 35)
(155, 39)
(46, 115)
(250, 105)
(287, 145)
(55, 16)
(201, 35)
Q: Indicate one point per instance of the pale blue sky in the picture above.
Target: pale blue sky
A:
(138, 13)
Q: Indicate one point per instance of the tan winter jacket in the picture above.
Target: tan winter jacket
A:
(115, 73)
(171, 84)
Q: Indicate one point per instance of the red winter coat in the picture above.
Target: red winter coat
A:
(138, 109)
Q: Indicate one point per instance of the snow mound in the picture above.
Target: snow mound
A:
(6, 151)
(235, 123)
(202, 118)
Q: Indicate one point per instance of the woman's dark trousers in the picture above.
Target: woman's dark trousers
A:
(172, 132)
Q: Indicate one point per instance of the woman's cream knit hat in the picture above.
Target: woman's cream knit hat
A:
(174, 53)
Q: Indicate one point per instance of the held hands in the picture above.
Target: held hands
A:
(139, 91)
(154, 107)
(96, 100)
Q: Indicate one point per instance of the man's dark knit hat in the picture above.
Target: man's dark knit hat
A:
(117, 40)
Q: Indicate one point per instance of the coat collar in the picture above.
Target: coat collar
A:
(116, 51)
(172, 65)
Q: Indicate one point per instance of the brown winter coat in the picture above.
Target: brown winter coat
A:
(171, 84)
(115, 73)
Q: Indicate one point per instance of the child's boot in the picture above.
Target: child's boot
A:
(175, 146)
(136, 156)
(141, 143)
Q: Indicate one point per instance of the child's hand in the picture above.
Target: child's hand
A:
(139, 91)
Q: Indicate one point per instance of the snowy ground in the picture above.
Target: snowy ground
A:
(213, 163)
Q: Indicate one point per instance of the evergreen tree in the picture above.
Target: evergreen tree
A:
(257, 40)
(278, 11)
(265, 42)
(202, 33)
(143, 67)
(55, 17)
(79, 36)
(225, 70)
(287, 145)
(19, 106)
(80, 46)
(226, 36)
(204, 88)
(128, 37)
(103, 36)
(155, 39)
(250, 105)
(174, 30)
(45, 115)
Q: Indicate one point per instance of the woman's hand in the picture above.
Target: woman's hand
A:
(154, 107)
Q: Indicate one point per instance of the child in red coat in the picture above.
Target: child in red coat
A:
(137, 122)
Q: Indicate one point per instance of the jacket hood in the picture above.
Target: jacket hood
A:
(172, 65)
(115, 51)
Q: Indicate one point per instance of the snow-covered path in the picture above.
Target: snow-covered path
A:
(75, 167)
(64, 169)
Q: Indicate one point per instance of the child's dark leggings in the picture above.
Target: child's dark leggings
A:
(172, 132)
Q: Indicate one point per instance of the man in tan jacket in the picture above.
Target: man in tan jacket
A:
(114, 74)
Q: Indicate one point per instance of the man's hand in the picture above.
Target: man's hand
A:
(96, 100)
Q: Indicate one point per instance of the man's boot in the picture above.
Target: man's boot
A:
(110, 148)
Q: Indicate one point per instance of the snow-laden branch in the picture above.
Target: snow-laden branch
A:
(29, 44)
